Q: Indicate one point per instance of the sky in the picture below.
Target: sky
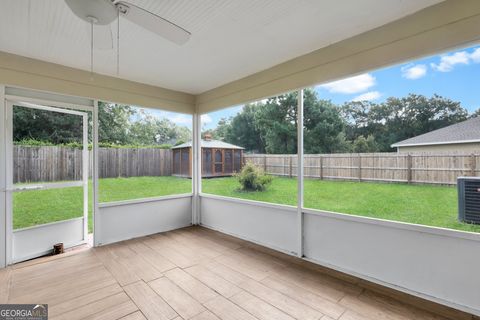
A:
(454, 75)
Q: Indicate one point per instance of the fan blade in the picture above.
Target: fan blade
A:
(154, 23)
(102, 36)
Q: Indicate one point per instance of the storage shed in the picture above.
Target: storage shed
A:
(219, 159)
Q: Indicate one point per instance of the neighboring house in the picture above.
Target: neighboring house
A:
(460, 138)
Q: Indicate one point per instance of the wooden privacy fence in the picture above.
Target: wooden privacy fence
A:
(388, 167)
(33, 164)
(50, 163)
(123, 162)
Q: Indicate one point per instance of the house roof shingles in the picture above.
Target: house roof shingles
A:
(209, 144)
(462, 132)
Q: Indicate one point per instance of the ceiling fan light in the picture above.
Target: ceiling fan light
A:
(102, 10)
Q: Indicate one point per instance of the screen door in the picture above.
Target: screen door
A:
(47, 179)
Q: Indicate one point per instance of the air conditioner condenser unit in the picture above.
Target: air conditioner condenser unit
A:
(469, 199)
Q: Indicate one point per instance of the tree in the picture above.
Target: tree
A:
(276, 121)
(398, 119)
(243, 130)
(357, 117)
(222, 129)
(118, 124)
(272, 125)
(114, 123)
(149, 130)
(46, 126)
(362, 144)
(126, 125)
(323, 126)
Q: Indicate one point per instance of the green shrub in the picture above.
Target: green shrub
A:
(32, 143)
(78, 145)
(134, 146)
(253, 178)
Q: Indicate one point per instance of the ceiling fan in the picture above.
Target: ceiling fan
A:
(102, 13)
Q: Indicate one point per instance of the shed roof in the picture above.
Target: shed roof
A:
(463, 132)
(210, 144)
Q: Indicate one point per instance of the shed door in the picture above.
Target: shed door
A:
(237, 162)
(176, 161)
(228, 163)
(218, 167)
(185, 162)
(207, 162)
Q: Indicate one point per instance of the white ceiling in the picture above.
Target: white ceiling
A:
(230, 38)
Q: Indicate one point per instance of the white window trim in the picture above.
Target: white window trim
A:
(256, 203)
(144, 200)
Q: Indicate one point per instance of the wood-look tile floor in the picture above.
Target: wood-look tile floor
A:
(192, 273)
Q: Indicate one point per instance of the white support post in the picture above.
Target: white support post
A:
(3, 184)
(196, 168)
(300, 174)
(96, 225)
(8, 134)
(85, 160)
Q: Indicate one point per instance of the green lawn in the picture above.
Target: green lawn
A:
(42, 206)
(116, 189)
(421, 204)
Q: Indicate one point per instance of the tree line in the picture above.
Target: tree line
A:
(270, 126)
(119, 125)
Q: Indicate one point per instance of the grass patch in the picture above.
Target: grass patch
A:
(32, 208)
(420, 204)
(281, 190)
(117, 189)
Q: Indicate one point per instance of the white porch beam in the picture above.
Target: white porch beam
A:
(35, 74)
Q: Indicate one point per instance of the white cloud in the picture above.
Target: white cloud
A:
(367, 96)
(206, 118)
(413, 72)
(448, 62)
(475, 55)
(351, 85)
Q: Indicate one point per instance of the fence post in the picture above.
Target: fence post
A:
(265, 163)
(321, 168)
(359, 167)
(290, 167)
(119, 162)
(409, 168)
(473, 164)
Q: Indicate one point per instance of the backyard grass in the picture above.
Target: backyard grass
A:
(117, 189)
(421, 204)
(43, 206)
